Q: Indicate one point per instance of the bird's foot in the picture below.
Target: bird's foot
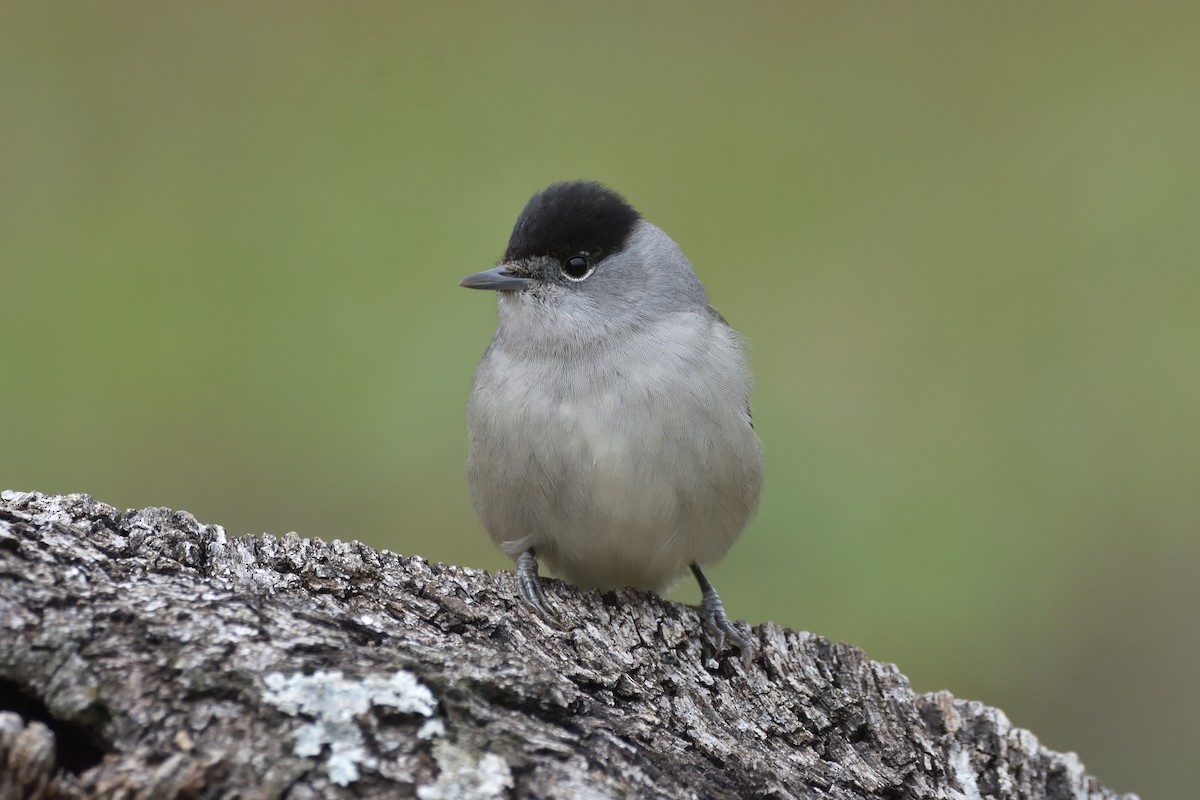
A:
(718, 628)
(529, 585)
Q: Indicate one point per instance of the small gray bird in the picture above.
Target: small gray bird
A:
(609, 424)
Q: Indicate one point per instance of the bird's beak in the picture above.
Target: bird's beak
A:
(499, 279)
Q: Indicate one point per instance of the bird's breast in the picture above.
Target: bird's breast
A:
(620, 467)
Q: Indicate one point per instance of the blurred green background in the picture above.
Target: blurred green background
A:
(962, 239)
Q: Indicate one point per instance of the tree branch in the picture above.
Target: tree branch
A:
(144, 654)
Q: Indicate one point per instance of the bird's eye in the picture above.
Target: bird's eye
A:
(576, 268)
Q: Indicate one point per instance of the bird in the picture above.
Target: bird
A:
(609, 426)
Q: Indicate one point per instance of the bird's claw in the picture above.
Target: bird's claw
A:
(529, 585)
(719, 630)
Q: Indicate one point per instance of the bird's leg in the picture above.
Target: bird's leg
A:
(717, 626)
(530, 587)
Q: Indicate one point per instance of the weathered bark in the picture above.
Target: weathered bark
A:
(143, 654)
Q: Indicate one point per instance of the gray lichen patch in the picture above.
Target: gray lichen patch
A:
(463, 776)
(333, 704)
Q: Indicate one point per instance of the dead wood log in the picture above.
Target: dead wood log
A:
(146, 655)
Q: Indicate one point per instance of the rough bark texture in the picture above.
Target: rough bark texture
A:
(144, 654)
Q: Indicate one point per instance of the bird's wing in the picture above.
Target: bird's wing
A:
(717, 316)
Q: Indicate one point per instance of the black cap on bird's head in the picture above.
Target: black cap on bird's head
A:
(574, 222)
(572, 218)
